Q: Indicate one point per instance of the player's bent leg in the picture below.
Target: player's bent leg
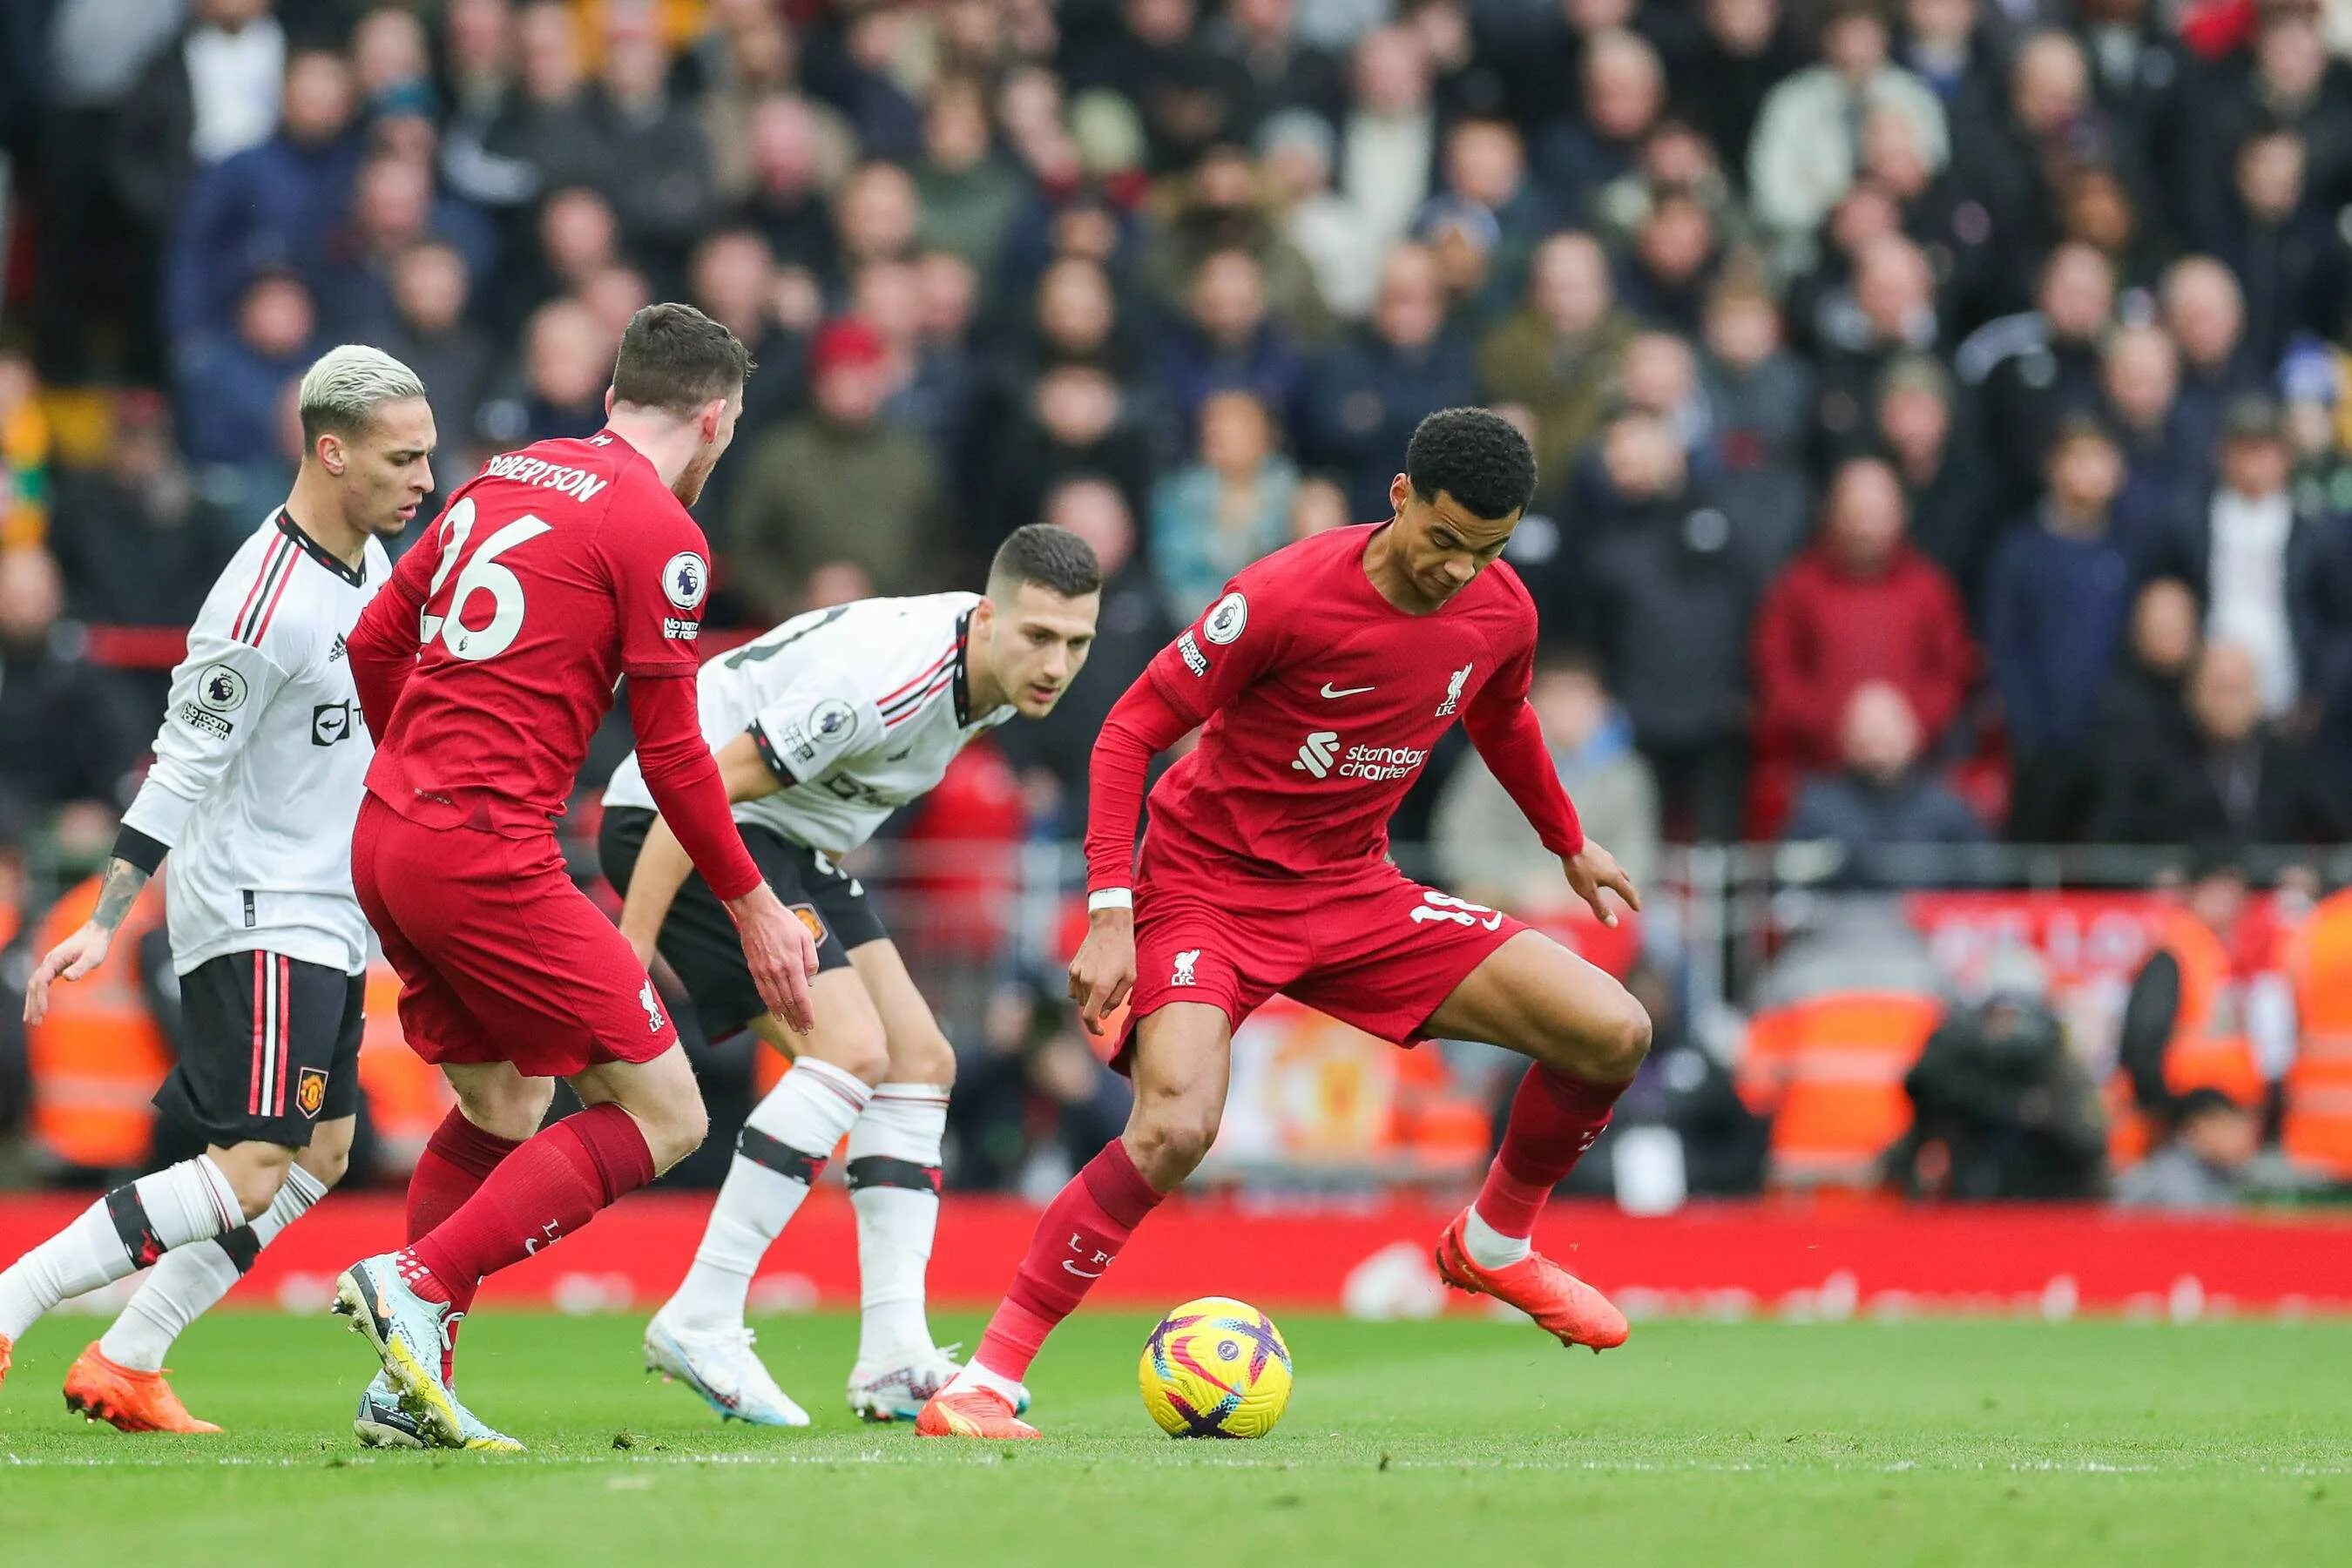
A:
(894, 1185)
(1587, 1036)
(120, 1378)
(125, 1231)
(1181, 1062)
(699, 1337)
(498, 1108)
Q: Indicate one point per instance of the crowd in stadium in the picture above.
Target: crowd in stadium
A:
(1944, 426)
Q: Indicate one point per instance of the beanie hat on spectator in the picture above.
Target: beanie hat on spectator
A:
(846, 343)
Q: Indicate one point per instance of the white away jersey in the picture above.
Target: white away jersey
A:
(262, 759)
(858, 709)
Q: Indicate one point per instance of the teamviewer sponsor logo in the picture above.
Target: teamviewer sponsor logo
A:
(1315, 756)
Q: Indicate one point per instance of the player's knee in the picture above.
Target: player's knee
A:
(1618, 1041)
(326, 1165)
(1169, 1142)
(255, 1172)
(860, 1050)
(923, 1057)
(511, 1108)
(675, 1130)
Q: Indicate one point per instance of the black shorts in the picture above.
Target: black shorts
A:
(698, 938)
(270, 1047)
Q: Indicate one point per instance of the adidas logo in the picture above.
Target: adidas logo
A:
(336, 652)
(1315, 756)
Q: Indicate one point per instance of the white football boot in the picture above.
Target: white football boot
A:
(897, 1389)
(718, 1365)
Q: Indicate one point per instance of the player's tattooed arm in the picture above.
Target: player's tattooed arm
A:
(86, 949)
(117, 893)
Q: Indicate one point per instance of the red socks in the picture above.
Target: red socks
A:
(1083, 1230)
(1554, 1119)
(457, 1160)
(548, 1187)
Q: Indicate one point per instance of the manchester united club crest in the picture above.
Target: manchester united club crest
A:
(811, 919)
(310, 1092)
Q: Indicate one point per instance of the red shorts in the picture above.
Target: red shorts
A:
(1374, 949)
(500, 958)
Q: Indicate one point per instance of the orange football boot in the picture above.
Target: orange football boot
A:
(1558, 1300)
(129, 1401)
(974, 1413)
(6, 1345)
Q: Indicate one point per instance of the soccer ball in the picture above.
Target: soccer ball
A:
(1215, 1368)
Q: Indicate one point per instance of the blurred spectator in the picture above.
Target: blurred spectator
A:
(1365, 396)
(2228, 775)
(393, 211)
(786, 519)
(2162, 465)
(567, 365)
(788, 152)
(1283, 72)
(1074, 420)
(2208, 1009)
(1486, 170)
(2285, 80)
(968, 196)
(1219, 211)
(1213, 516)
(1941, 490)
(2203, 1164)
(2205, 311)
(1387, 141)
(1227, 344)
(230, 381)
(1559, 354)
(431, 334)
(1859, 606)
(1881, 797)
(1888, 312)
(732, 280)
(1759, 394)
(549, 135)
(214, 94)
(2026, 372)
(1747, 50)
(1318, 507)
(139, 543)
(1133, 626)
(579, 238)
(1624, 89)
(274, 206)
(50, 688)
(2043, 126)
(1668, 602)
(2055, 615)
(2247, 549)
(2000, 1109)
(2148, 694)
(2282, 245)
(1032, 1102)
(660, 174)
(2141, 77)
(1803, 157)
(1487, 851)
(1323, 227)
(24, 453)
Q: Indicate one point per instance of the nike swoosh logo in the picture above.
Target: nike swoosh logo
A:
(1081, 1273)
(1348, 691)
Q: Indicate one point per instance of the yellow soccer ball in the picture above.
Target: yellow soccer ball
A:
(1215, 1368)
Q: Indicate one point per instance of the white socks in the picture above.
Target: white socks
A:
(1489, 1248)
(975, 1375)
(189, 1279)
(121, 1233)
(894, 1175)
(784, 1145)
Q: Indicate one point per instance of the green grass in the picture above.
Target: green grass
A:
(1460, 1442)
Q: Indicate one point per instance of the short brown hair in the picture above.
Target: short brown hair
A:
(675, 358)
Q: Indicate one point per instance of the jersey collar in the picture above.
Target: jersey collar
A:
(356, 578)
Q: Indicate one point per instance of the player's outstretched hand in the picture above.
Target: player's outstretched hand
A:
(781, 955)
(1104, 971)
(1592, 869)
(69, 960)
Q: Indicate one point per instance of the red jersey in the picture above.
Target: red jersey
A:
(1319, 702)
(549, 575)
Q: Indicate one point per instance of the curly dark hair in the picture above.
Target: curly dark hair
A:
(1475, 455)
(1053, 558)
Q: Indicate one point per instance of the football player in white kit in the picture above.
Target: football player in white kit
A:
(260, 765)
(822, 728)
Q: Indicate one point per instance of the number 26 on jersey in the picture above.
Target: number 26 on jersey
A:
(482, 575)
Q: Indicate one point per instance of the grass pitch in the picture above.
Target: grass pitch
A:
(1458, 1442)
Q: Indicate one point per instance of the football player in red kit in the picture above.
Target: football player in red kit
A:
(1320, 681)
(483, 668)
